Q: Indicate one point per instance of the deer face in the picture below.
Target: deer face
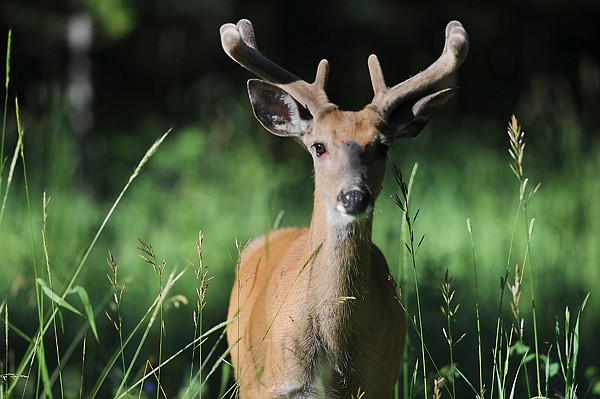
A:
(349, 149)
(349, 154)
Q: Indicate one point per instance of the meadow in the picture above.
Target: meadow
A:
(130, 283)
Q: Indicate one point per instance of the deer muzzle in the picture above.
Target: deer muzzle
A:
(355, 201)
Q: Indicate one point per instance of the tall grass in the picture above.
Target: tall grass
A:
(18, 382)
(511, 353)
(17, 379)
(2, 159)
(402, 201)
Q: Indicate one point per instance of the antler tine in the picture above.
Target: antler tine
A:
(454, 53)
(377, 80)
(239, 43)
(247, 32)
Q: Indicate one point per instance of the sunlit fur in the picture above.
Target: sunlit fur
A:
(318, 313)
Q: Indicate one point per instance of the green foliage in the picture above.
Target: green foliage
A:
(115, 16)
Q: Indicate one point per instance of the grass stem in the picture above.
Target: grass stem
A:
(477, 318)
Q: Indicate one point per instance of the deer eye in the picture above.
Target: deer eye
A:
(319, 149)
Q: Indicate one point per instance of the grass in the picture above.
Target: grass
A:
(512, 357)
(68, 331)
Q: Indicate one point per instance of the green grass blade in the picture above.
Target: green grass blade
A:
(402, 282)
(225, 378)
(477, 318)
(279, 219)
(87, 307)
(464, 377)
(83, 347)
(3, 384)
(219, 361)
(521, 363)
(11, 172)
(6, 84)
(56, 298)
(79, 337)
(193, 380)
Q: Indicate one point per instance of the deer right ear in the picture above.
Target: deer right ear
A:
(421, 112)
(277, 111)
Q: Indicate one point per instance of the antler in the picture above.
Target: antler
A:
(239, 43)
(454, 53)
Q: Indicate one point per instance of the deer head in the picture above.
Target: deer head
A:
(349, 148)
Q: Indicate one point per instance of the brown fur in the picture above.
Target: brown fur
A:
(318, 313)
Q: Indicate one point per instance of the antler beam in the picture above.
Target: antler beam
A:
(239, 43)
(455, 51)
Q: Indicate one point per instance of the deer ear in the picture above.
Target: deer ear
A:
(277, 111)
(407, 121)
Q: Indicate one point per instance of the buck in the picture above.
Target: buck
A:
(315, 309)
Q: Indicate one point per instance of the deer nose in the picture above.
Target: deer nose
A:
(356, 200)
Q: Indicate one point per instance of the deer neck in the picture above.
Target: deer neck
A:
(339, 273)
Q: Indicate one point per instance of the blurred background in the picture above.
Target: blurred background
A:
(99, 80)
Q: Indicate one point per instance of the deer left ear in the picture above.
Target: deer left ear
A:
(277, 111)
(408, 121)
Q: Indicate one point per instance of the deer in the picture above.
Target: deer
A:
(315, 311)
